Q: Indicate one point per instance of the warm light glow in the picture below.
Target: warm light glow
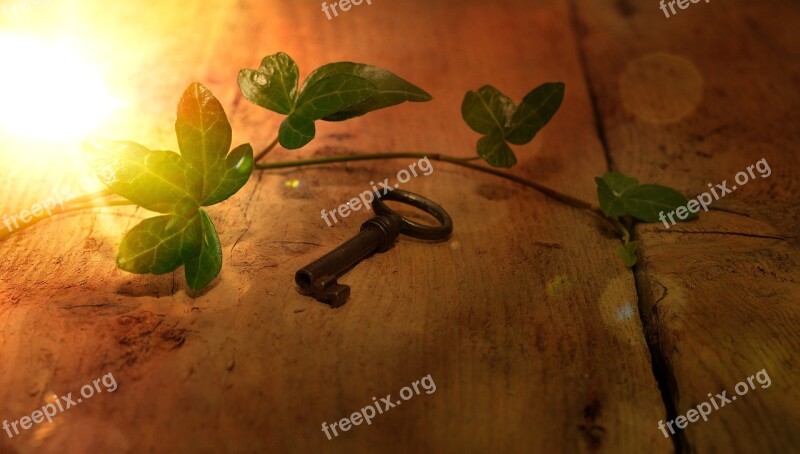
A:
(48, 91)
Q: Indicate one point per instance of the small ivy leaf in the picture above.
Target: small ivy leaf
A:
(490, 112)
(390, 89)
(155, 180)
(619, 183)
(535, 111)
(611, 204)
(204, 136)
(627, 253)
(619, 194)
(494, 150)
(273, 85)
(296, 132)
(155, 245)
(487, 110)
(645, 202)
(204, 258)
(610, 190)
(324, 97)
(238, 167)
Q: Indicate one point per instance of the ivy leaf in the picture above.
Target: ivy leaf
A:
(324, 97)
(645, 202)
(493, 114)
(494, 150)
(620, 195)
(204, 256)
(620, 183)
(155, 180)
(204, 174)
(627, 253)
(390, 89)
(333, 92)
(295, 132)
(611, 205)
(273, 85)
(237, 169)
(535, 111)
(487, 110)
(204, 136)
(161, 244)
(610, 190)
(154, 245)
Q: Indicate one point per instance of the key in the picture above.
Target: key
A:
(319, 278)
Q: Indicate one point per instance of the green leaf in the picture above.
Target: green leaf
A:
(490, 112)
(323, 98)
(645, 202)
(619, 183)
(155, 180)
(627, 253)
(610, 190)
(296, 132)
(204, 135)
(273, 85)
(611, 205)
(487, 110)
(535, 111)
(494, 150)
(238, 167)
(161, 244)
(390, 89)
(620, 195)
(177, 184)
(204, 261)
(155, 245)
(332, 94)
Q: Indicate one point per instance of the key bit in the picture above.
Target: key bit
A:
(319, 278)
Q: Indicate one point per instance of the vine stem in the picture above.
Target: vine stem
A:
(93, 196)
(100, 198)
(626, 235)
(266, 150)
(464, 162)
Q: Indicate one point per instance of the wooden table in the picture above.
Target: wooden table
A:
(538, 339)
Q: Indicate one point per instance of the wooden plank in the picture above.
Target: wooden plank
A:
(687, 101)
(525, 320)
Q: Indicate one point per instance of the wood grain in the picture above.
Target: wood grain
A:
(719, 294)
(525, 320)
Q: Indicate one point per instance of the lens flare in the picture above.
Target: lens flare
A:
(48, 91)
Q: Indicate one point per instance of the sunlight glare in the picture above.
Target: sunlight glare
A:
(48, 91)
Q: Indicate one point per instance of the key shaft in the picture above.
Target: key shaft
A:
(319, 278)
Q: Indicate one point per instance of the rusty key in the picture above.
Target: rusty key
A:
(378, 234)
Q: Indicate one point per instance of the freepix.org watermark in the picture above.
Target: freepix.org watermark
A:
(378, 407)
(704, 200)
(365, 198)
(704, 409)
(12, 222)
(344, 6)
(60, 405)
(54, 202)
(682, 4)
